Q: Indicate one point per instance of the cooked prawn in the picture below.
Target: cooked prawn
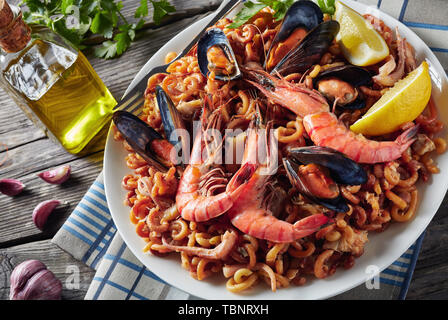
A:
(251, 216)
(198, 196)
(325, 130)
(295, 97)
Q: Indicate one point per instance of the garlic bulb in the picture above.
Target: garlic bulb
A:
(31, 280)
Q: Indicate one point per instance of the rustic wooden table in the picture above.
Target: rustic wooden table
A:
(31, 152)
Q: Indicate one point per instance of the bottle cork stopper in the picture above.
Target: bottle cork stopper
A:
(14, 32)
(6, 15)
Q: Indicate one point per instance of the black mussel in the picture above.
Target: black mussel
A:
(147, 142)
(300, 18)
(354, 75)
(341, 92)
(215, 54)
(342, 83)
(313, 182)
(343, 170)
(173, 123)
(310, 50)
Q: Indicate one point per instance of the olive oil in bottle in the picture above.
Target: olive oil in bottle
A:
(53, 83)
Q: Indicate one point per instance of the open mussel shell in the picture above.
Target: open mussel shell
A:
(173, 123)
(139, 135)
(310, 49)
(337, 203)
(216, 37)
(352, 75)
(356, 76)
(302, 15)
(343, 170)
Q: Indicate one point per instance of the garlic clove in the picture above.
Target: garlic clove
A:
(11, 187)
(42, 211)
(56, 176)
(31, 280)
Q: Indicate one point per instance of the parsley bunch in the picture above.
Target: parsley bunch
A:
(76, 20)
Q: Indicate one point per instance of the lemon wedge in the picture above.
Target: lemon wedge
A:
(400, 104)
(360, 43)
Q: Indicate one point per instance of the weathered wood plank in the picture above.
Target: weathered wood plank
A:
(16, 129)
(430, 279)
(183, 8)
(16, 223)
(148, 42)
(24, 162)
(116, 74)
(27, 159)
(64, 266)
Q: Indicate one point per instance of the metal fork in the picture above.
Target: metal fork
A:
(133, 100)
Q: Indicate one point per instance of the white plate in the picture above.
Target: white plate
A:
(381, 250)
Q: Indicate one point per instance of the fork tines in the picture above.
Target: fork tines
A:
(132, 103)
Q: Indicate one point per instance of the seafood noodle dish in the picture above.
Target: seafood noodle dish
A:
(270, 152)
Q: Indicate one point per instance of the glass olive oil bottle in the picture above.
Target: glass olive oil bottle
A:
(53, 83)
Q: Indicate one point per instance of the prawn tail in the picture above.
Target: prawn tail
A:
(407, 137)
(310, 225)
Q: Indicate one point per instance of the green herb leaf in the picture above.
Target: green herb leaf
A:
(161, 9)
(142, 10)
(35, 5)
(66, 4)
(121, 43)
(139, 24)
(109, 5)
(280, 8)
(327, 6)
(69, 34)
(124, 40)
(107, 50)
(101, 24)
(249, 10)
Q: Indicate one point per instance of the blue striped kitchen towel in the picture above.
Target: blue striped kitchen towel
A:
(90, 235)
